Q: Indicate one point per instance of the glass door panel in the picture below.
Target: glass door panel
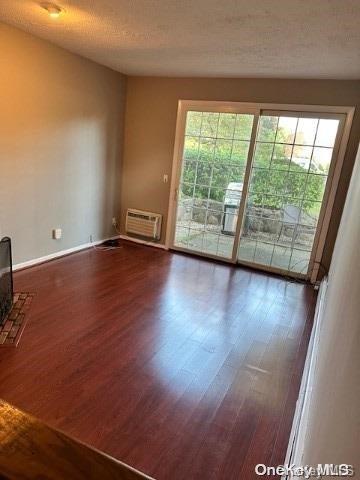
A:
(287, 182)
(214, 160)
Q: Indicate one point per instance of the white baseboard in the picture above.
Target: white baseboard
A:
(298, 434)
(60, 253)
(143, 242)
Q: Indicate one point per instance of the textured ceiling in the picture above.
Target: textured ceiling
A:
(226, 38)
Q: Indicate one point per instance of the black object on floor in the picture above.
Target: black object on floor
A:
(6, 279)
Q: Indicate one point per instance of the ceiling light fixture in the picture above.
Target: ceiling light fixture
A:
(53, 10)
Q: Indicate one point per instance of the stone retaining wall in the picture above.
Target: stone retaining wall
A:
(258, 219)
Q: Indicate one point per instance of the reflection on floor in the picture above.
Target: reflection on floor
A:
(182, 367)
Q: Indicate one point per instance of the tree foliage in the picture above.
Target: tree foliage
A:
(218, 156)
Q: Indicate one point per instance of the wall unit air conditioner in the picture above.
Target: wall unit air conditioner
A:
(144, 224)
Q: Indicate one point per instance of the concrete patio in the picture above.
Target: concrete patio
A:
(255, 247)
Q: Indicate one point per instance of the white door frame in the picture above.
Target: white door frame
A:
(255, 109)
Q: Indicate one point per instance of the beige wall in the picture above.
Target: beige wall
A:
(151, 108)
(60, 145)
(332, 434)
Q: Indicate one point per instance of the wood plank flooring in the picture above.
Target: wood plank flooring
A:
(31, 450)
(181, 367)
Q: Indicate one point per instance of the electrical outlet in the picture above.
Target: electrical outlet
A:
(57, 233)
(114, 222)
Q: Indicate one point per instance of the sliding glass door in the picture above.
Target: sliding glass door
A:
(251, 184)
(289, 173)
(214, 158)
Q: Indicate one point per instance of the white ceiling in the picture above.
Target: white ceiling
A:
(224, 38)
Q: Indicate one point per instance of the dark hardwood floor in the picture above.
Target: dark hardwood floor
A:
(181, 367)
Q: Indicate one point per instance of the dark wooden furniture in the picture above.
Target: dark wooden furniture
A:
(181, 367)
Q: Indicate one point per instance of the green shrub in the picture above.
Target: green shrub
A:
(216, 163)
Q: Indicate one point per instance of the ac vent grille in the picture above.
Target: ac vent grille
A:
(144, 224)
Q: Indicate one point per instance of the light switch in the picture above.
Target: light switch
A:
(166, 178)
